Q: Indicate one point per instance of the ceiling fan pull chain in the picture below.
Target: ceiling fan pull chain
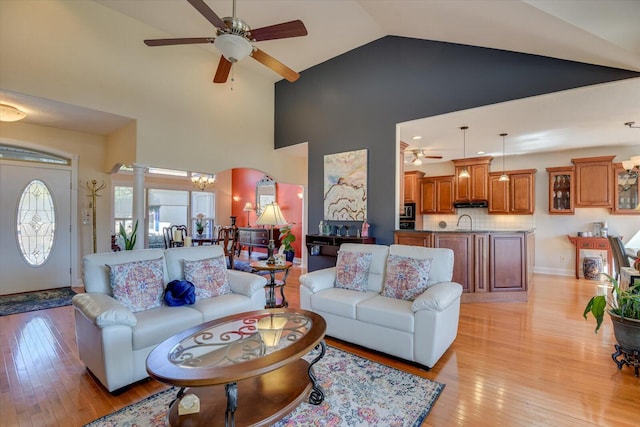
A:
(232, 78)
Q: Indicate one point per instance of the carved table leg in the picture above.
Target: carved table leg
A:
(316, 396)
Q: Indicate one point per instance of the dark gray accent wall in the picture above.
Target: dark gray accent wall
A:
(354, 101)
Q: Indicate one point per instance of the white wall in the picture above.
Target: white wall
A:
(554, 252)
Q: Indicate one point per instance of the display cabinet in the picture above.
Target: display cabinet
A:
(561, 190)
(626, 191)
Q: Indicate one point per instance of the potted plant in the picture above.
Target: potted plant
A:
(286, 238)
(129, 239)
(200, 224)
(624, 310)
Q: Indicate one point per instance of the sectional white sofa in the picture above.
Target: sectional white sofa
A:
(419, 331)
(114, 342)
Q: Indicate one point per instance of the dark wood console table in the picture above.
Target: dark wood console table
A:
(596, 243)
(256, 238)
(326, 247)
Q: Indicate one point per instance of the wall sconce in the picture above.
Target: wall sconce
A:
(202, 182)
(236, 198)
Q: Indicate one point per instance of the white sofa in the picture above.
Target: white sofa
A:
(419, 331)
(114, 342)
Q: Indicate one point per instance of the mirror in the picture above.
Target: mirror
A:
(265, 193)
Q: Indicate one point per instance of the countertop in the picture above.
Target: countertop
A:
(463, 230)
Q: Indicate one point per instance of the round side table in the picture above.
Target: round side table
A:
(273, 283)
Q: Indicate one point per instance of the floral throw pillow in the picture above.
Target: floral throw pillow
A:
(406, 277)
(352, 270)
(138, 285)
(209, 276)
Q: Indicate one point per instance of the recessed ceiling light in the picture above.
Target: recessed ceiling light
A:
(417, 137)
(480, 152)
(10, 113)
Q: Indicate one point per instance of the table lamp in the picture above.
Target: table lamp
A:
(271, 215)
(248, 208)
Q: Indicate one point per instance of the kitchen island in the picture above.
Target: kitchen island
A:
(491, 265)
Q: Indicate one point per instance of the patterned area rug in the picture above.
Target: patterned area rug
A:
(358, 392)
(32, 301)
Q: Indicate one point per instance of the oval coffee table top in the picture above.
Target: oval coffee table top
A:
(236, 347)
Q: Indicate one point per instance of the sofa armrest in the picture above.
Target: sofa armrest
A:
(319, 280)
(103, 310)
(437, 297)
(245, 283)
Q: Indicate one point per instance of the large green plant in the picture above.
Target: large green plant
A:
(287, 237)
(624, 303)
(129, 239)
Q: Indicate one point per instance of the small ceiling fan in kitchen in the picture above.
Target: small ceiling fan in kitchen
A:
(234, 40)
(418, 155)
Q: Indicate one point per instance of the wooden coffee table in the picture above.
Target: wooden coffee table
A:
(236, 376)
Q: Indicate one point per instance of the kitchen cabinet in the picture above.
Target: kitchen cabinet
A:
(491, 266)
(437, 194)
(516, 196)
(412, 186)
(476, 187)
(562, 190)
(626, 191)
(594, 181)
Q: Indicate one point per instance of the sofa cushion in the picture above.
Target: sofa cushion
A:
(441, 266)
(378, 262)
(406, 277)
(158, 324)
(387, 312)
(352, 270)
(138, 285)
(341, 302)
(223, 305)
(175, 258)
(209, 276)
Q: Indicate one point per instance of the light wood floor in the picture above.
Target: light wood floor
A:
(512, 364)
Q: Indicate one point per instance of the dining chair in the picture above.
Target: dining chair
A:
(228, 239)
(169, 234)
(620, 258)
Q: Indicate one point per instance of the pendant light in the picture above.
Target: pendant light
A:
(464, 173)
(504, 177)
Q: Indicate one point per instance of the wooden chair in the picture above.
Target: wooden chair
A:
(168, 234)
(228, 239)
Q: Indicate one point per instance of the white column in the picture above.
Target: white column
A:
(138, 203)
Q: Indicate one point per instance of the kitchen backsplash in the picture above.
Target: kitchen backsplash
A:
(481, 221)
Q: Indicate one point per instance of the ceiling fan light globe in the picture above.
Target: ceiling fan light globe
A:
(234, 48)
(417, 162)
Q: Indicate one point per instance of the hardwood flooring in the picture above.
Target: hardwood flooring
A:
(537, 363)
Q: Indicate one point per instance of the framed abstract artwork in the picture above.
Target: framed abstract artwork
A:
(345, 186)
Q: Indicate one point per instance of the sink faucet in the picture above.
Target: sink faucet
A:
(470, 221)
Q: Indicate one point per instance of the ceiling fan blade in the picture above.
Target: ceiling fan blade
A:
(168, 42)
(275, 65)
(431, 157)
(209, 14)
(224, 66)
(279, 31)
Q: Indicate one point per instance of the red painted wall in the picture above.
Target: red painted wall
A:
(243, 188)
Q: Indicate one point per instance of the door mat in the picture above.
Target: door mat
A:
(32, 301)
(358, 392)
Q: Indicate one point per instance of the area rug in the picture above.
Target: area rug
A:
(358, 392)
(32, 301)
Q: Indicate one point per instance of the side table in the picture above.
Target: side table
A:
(273, 283)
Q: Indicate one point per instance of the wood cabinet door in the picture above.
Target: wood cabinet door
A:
(507, 262)
(594, 181)
(444, 195)
(428, 196)
(412, 186)
(463, 262)
(626, 191)
(462, 186)
(498, 195)
(410, 239)
(408, 188)
(521, 197)
(479, 181)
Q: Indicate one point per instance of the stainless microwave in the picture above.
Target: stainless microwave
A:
(408, 212)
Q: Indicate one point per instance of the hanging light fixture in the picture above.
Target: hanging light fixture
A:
(504, 177)
(202, 182)
(464, 173)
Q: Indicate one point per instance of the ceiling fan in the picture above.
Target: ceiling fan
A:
(233, 40)
(418, 155)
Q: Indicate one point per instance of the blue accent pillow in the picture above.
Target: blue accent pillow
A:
(180, 292)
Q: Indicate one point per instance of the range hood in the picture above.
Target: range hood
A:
(471, 204)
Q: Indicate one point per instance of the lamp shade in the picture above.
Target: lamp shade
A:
(271, 215)
(247, 207)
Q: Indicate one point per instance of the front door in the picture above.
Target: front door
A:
(36, 255)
